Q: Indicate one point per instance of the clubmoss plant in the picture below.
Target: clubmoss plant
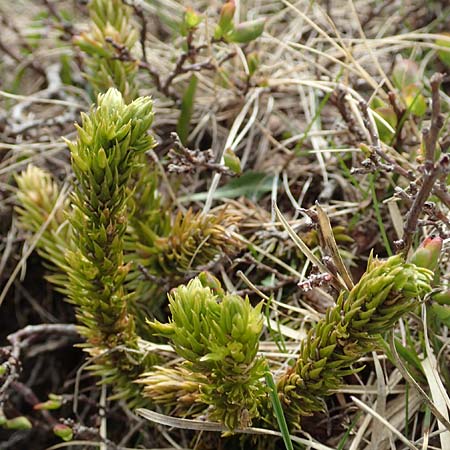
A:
(216, 333)
(115, 223)
(110, 141)
(218, 336)
(40, 205)
(111, 28)
(388, 290)
(194, 240)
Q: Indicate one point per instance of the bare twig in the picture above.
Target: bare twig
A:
(400, 113)
(431, 170)
(338, 100)
(63, 24)
(437, 120)
(377, 150)
(22, 339)
(190, 53)
(140, 13)
(181, 66)
(439, 189)
(184, 160)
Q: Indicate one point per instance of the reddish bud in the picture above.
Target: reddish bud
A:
(63, 431)
(227, 14)
(427, 255)
(48, 405)
(225, 25)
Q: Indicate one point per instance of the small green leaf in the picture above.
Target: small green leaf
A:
(232, 161)
(102, 159)
(443, 298)
(414, 100)
(253, 63)
(408, 355)
(192, 19)
(187, 106)
(377, 103)
(18, 423)
(442, 313)
(48, 405)
(247, 31)
(444, 55)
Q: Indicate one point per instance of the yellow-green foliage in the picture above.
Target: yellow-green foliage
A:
(39, 205)
(218, 336)
(111, 28)
(110, 140)
(388, 290)
(194, 240)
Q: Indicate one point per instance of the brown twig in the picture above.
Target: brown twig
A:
(400, 113)
(377, 150)
(190, 53)
(22, 339)
(338, 100)
(184, 160)
(432, 170)
(143, 36)
(438, 188)
(181, 66)
(64, 25)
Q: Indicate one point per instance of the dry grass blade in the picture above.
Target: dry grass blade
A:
(391, 428)
(438, 392)
(298, 241)
(30, 98)
(416, 385)
(305, 250)
(201, 425)
(331, 246)
(62, 196)
(439, 397)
